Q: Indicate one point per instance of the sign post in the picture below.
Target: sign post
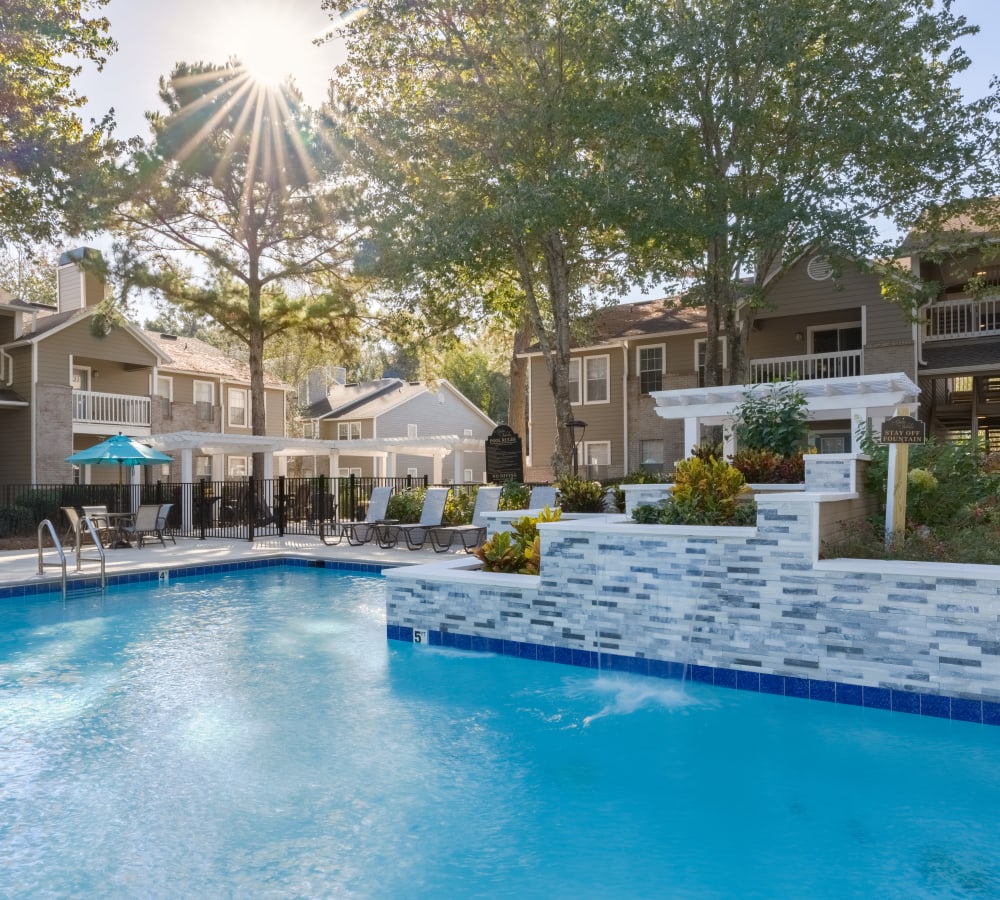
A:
(898, 432)
(503, 456)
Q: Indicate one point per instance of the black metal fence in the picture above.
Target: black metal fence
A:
(239, 510)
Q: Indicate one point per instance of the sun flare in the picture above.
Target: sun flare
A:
(274, 41)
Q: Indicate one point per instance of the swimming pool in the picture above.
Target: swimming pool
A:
(255, 734)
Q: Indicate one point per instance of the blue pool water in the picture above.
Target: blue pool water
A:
(255, 735)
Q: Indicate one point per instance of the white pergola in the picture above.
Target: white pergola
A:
(859, 398)
(277, 450)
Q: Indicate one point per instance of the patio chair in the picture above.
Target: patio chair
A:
(146, 522)
(542, 496)
(161, 524)
(471, 536)
(430, 517)
(358, 533)
(101, 521)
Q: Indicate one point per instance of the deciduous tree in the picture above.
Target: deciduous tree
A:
(476, 126)
(53, 167)
(790, 124)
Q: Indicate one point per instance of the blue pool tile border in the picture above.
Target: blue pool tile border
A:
(939, 706)
(90, 583)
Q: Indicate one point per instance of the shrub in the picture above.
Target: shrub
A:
(706, 492)
(772, 417)
(517, 550)
(16, 521)
(458, 508)
(578, 495)
(767, 467)
(514, 496)
(945, 479)
(406, 505)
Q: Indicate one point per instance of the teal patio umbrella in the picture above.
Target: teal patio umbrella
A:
(120, 451)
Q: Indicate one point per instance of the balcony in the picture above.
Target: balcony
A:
(962, 318)
(808, 367)
(96, 408)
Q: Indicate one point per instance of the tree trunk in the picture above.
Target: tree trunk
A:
(517, 410)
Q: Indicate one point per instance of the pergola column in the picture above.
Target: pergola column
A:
(187, 477)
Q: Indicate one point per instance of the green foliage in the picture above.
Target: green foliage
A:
(765, 467)
(945, 479)
(707, 451)
(258, 174)
(514, 496)
(579, 495)
(747, 100)
(16, 521)
(772, 417)
(706, 492)
(518, 550)
(54, 171)
(459, 506)
(406, 505)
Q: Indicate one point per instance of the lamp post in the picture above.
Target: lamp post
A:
(572, 425)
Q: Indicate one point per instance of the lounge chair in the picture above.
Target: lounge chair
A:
(146, 522)
(161, 523)
(471, 536)
(358, 533)
(73, 522)
(431, 516)
(101, 521)
(542, 496)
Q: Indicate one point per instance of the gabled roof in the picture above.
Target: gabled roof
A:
(48, 325)
(190, 355)
(645, 319)
(362, 398)
(370, 399)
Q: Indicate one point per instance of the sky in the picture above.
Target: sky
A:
(275, 37)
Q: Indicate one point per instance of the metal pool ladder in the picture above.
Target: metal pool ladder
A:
(61, 562)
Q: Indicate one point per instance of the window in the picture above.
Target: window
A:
(348, 431)
(837, 338)
(237, 467)
(467, 476)
(959, 388)
(652, 456)
(348, 471)
(594, 456)
(204, 400)
(165, 391)
(308, 428)
(700, 346)
(650, 366)
(596, 371)
(411, 431)
(574, 381)
(238, 408)
(203, 467)
(413, 472)
(165, 387)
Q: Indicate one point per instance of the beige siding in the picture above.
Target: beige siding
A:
(15, 461)
(115, 356)
(605, 421)
(274, 405)
(328, 428)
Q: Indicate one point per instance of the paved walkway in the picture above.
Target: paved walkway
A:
(21, 566)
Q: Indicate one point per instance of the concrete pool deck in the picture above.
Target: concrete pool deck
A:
(20, 567)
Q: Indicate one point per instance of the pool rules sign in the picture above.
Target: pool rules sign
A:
(899, 432)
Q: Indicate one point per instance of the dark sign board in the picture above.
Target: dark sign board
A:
(503, 456)
(902, 430)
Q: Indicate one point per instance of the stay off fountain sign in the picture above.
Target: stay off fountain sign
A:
(899, 432)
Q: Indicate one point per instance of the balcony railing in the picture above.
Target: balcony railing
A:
(96, 408)
(808, 367)
(962, 318)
